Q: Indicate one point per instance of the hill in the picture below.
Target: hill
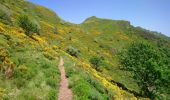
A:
(102, 56)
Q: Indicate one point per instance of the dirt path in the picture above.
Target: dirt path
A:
(64, 92)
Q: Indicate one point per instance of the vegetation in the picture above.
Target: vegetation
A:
(96, 61)
(5, 15)
(148, 67)
(29, 27)
(72, 51)
(83, 85)
(28, 61)
(24, 67)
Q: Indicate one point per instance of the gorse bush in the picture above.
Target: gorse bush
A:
(72, 51)
(148, 66)
(26, 24)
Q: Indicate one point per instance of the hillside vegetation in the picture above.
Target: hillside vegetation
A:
(104, 59)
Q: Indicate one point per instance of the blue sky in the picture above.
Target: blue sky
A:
(150, 14)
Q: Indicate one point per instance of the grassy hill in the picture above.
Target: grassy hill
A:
(32, 38)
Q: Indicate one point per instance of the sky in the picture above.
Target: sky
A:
(149, 14)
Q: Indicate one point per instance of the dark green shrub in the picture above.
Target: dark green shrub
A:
(72, 51)
(26, 24)
(96, 61)
(148, 66)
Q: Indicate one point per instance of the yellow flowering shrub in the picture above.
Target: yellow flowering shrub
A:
(42, 42)
(50, 53)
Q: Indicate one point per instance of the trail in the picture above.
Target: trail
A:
(64, 92)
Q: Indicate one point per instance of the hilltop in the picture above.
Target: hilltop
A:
(104, 59)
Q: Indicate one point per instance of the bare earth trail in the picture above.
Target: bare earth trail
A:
(64, 92)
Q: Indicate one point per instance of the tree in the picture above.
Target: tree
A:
(144, 61)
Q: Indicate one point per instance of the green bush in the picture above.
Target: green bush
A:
(72, 51)
(96, 61)
(26, 24)
(148, 66)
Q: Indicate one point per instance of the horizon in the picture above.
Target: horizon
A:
(151, 15)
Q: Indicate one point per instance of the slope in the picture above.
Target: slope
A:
(28, 61)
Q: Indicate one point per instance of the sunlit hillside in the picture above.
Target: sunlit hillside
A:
(104, 59)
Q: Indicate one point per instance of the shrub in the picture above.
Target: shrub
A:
(72, 51)
(148, 67)
(96, 61)
(26, 24)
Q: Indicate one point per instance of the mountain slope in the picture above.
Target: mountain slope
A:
(28, 60)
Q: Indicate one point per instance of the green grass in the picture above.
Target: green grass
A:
(34, 76)
(83, 85)
(35, 73)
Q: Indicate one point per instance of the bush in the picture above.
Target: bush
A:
(72, 51)
(26, 24)
(96, 61)
(148, 66)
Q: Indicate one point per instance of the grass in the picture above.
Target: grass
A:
(106, 44)
(83, 85)
(34, 75)
(34, 58)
